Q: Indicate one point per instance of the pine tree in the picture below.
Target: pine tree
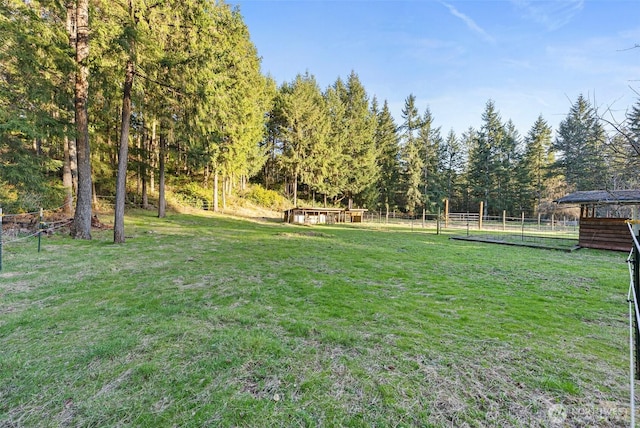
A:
(534, 166)
(412, 163)
(506, 158)
(453, 166)
(482, 157)
(633, 127)
(360, 152)
(431, 151)
(388, 145)
(334, 177)
(580, 146)
(625, 151)
(35, 102)
(303, 130)
(81, 228)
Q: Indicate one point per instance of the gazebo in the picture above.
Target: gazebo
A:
(598, 228)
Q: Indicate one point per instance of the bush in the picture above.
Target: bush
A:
(267, 198)
(13, 201)
(193, 194)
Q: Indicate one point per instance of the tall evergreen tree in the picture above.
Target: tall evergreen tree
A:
(453, 166)
(482, 156)
(625, 150)
(535, 164)
(412, 163)
(633, 126)
(360, 155)
(506, 157)
(431, 152)
(388, 144)
(36, 102)
(580, 146)
(81, 228)
(304, 129)
(335, 178)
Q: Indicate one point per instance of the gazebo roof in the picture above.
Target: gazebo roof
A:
(604, 197)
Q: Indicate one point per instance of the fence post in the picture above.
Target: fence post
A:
(423, 217)
(0, 239)
(446, 213)
(504, 220)
(40, 228)
(480, 215)
(539, 221)
(467, 223)
(523, 225)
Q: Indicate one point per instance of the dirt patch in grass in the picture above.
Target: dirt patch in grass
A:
(304, 234)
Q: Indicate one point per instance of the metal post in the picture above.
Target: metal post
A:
(0, 239)
(636, 286)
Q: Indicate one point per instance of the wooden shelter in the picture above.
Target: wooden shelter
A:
(600, 231)
(310, 216)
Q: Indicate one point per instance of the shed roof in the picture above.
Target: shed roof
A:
(316, 209)
(605, 197)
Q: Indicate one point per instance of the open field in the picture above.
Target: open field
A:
(202, 320)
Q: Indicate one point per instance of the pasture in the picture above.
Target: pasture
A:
(204, 320)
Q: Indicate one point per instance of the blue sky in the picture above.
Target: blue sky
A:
(529, 57)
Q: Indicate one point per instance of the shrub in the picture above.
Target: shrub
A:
(267, 198)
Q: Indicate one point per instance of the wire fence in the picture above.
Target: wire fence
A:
(19, 227)
(474, 223)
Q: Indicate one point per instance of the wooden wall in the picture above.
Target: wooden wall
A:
(605, 234)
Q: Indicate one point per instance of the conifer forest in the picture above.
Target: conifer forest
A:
(124, 98)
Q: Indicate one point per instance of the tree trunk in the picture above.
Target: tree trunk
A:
(224, 193)
(144, 159)
(152, 157)
(139, 163)
(295, 191)
(161, 200)
(123, 154)
(67, 179)
(81, 228)
(215, 189)
(72, 32)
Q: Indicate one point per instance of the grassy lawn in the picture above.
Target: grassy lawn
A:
(202, 320)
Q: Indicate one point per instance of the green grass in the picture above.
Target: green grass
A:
(213, 321)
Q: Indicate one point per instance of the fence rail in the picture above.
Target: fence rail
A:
(473, 221)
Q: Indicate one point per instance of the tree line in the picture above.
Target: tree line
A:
(95, 92)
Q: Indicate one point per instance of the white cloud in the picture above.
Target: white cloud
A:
(550, 14)
(471, 24)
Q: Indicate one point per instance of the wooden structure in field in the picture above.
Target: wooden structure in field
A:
(604, 232)
(310, 216)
